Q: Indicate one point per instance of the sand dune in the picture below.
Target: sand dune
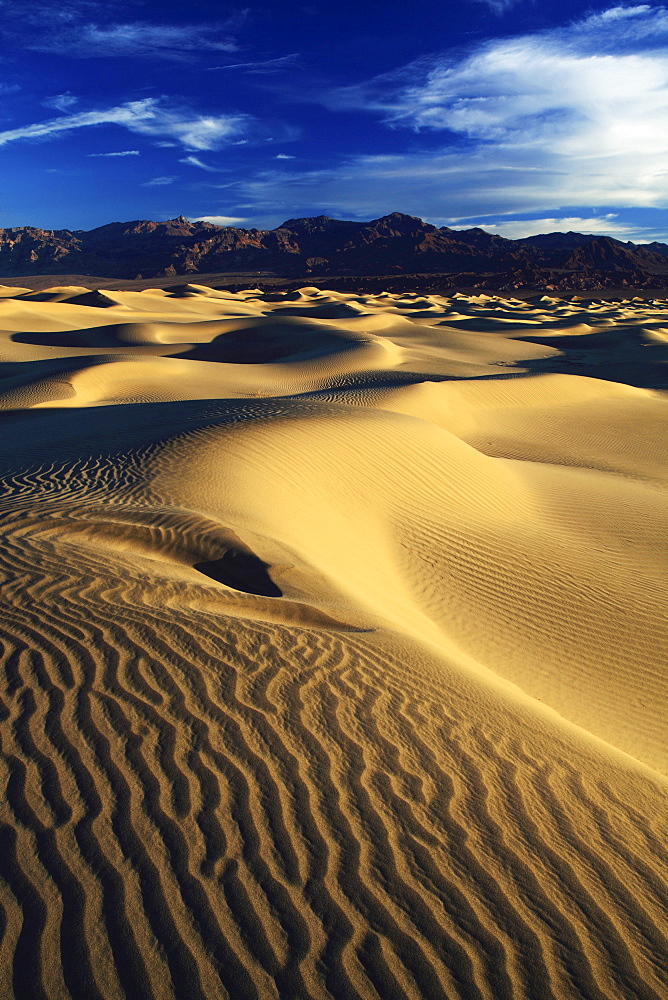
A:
(334, 643)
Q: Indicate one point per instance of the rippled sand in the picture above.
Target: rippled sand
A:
(334, 647)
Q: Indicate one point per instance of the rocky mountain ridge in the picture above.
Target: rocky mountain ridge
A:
(395, 244)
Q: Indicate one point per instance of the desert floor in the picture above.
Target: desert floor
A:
(334, 646)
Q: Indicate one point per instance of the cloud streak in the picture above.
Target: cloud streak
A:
(150, 117)
(159, 181)
(264, 65)
(194, 161)
(124, 152)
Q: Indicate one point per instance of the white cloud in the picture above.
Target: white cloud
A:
(283, 156)
(124, 152)
(219, 220)
(159, 181)
(61, 102)
(205, 131)
(150, 116)
(526, 94)
(517, 229)
(194, 161)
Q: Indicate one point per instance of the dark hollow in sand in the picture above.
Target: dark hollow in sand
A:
(242, 571)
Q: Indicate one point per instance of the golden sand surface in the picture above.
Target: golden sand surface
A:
(334, 647)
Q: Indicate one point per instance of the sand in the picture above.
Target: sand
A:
(334, 646)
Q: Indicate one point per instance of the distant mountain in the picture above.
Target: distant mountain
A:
(608, 254)
(660, 248)
(393, 245)
(556, 241)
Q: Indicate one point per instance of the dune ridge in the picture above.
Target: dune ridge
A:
(333, 643)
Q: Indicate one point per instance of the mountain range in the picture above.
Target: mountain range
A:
(393, 246)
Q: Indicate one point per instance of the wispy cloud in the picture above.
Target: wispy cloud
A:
(204, 131)
(41, 12)
(61, 102)
(86, 31)
(122, 40)
(194, 161)
(499, 7)
(151, 117)
(123, 152)
(283, 156)
(263, 65)
(642, 25)
(159, 181)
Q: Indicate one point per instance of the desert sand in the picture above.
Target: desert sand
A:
(334, 646)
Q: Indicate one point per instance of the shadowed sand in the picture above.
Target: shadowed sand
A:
(334, 647)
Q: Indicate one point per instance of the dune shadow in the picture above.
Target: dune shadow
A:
(242, 571)
(270, 343)
(623, 355)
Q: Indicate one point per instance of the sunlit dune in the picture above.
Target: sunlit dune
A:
(334, 640)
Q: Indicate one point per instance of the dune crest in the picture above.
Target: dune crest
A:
(334, 646)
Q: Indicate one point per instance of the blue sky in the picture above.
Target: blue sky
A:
(522, 116)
